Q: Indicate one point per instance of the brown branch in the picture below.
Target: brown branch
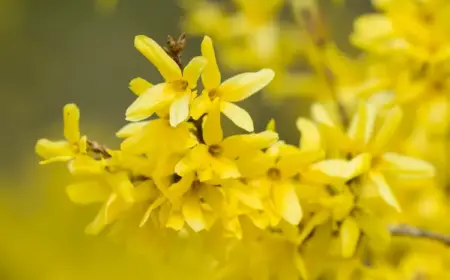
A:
(98, 148)
(411, 231)
(175, 48)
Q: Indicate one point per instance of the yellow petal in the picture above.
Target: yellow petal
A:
(359, 165)
(192, 213)
(179, 189)
(225, 168)
(148, 102)
(309, 135)
(286, 202)
(321, 115)
(387, 130)
(233, 227)
(193, 70)
(107, 214)
(194, 159)
(245, 195)
(271, 125)
(370, 29)
(244, 85)
(211, 75)
(362, 125)
(237, 115)
(374, 228)
(85, 165)
(255, 165)
(179, 110)
(384, 189)
(406, 166)
(292, 160)
(175, 221)
(237, 145)
(200, 105)
(332, 171)
(71, 123)
(54, 151)
(316, 220)
(155, 204)
(131, 129)
(138, 86)
(122, 186)
(88, 192)
(349, 234)
(212, 130)
(158, 57)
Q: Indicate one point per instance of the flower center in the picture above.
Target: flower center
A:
(215, 150)
(274, 174)
(179, 85)
(213, 94)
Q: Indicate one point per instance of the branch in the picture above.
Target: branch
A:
(175, 48)
(411, 231)
(98, 148)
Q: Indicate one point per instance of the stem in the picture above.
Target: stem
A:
(411, 231)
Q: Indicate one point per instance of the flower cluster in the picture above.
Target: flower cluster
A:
(403, 72)
(177, 172)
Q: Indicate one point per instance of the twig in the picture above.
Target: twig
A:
(411, 231)
(175, 48)
(98, 148)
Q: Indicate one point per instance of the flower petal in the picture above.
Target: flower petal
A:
(359, 165)
(194, 159)
(131, 129)
(179, 110)
(192, 213)
(212, 130)
(310, 138)
(244, 85)
(71, 123)
(292, 162)
(237, 115)
(158, 57)
(54, 151)
(85, 165)
(122, 186)
(225, 168)
(362, 125)
(384, 189)
(286, 202)
(349, 234)
(387, 130)
(138, 86)
(406, 166)
(148, 102)
(193, 70)
(88, 192)
(200, 105)
(211, 77)
(332, 171)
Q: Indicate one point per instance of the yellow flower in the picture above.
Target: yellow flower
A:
(216, 158)
(175, 93)
(365, 144)
(272, 173)
(156, 137)
(217, 95)
(417, 29)
(65, 150)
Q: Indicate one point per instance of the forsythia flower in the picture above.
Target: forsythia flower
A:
(217, 95)
(175, 93)
(53, 151)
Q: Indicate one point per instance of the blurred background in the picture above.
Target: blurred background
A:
(55, 52)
